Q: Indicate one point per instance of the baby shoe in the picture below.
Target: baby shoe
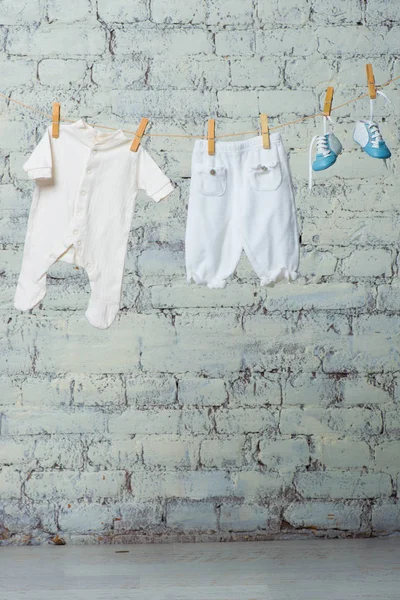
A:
(367, 134)
(328, 149)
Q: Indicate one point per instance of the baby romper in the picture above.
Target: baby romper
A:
(81, 212)
(241, 197)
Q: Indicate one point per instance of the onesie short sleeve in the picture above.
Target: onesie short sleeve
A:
(39, 164)
(150, 177)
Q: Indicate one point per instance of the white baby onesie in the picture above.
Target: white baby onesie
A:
(81, 212)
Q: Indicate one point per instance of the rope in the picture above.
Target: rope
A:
(177, 135)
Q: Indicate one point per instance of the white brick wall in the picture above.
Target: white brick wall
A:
(204, 414)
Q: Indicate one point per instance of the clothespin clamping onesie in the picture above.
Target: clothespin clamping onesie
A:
(139, 134)
(55, 120)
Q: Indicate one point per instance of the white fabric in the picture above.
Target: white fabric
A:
(82, 207)
(241, 197)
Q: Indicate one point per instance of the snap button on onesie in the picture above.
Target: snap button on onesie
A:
(81, 212)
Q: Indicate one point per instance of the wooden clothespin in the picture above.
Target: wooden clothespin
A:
(139, 134)
(265, 131)
(55, 120)
(211, 136)
(328, 102)
(371, 82)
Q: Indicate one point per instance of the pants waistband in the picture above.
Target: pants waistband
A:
(239, 146)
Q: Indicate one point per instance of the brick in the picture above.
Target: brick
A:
(119, 74)
(308, 72)
(256, 486)
(342, 453)
(389, 297)
(232, 13)
(315, 263)
(343, 484)
(59, 452)
(202, 391)
(386, 517)
(324, 515)
(313, 420)
(75, 10)
(392, 421)
(194, 516)
(67, 486)
(353, 40)
(381, 11)
(100, 390)
(234, 43)
(66, 72)
(255, 72)
(254, 390)
(165, 421)
(15, 348)
(114, 453)
(15, 452)
(197, 296)
(339, 13)
(237, 104)
(10, 391)
(306, 389)
(56, 40)
(144, 391)
(223, 453)
(161, 103)
(188, 72)
(10, 483)
(177, 12)
(284, 455)
(195, 485)
(161, 263)
(320, 296)
(171, 453)
(287, 13)
(360, 391)
(43, 422)
(138, 515)
(368, 263)
(247, 517)
(387, 457)
(244, 420)
(168, 42)
(85, 518)
(24, 11)
(119, 11)
(38, 391)
(300, 41)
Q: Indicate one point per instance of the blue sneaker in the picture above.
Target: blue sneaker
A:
(367, 134)
(328, 149)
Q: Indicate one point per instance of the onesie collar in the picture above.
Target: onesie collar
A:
(93, 137)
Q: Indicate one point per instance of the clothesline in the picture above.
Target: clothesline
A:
(177, 135)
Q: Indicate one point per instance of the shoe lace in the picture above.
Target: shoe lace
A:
(322, 145)
(375, 135)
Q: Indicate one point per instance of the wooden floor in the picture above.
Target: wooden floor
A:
(284, 570)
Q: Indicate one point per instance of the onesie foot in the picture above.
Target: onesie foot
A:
(101, 314)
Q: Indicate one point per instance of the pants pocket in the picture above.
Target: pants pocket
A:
(212, 181)
(265, 171)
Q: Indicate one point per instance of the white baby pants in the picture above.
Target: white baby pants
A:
(241, 197)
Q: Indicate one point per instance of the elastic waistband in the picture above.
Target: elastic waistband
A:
(240, 146)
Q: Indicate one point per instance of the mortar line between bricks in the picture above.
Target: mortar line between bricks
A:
(176, 135)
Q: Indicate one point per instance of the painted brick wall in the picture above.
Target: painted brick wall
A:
(243, 413)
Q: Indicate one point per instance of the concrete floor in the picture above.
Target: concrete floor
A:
(286, 570)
